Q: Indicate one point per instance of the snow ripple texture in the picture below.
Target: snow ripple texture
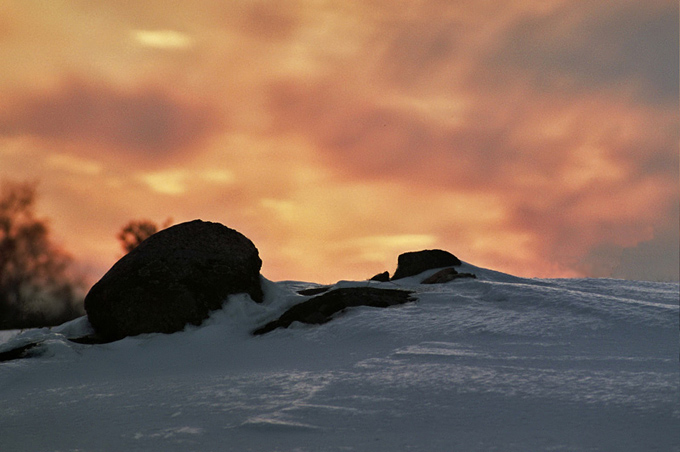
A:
(498, 363)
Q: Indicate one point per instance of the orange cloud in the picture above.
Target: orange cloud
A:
(535, 137)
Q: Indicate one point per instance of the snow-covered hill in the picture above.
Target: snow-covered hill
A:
(497, 363)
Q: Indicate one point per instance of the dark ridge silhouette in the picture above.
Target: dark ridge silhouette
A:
(314, 291)
(322, 308)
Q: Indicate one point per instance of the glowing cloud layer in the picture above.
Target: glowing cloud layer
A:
(534, 137)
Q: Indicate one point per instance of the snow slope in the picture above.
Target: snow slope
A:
(497, 363)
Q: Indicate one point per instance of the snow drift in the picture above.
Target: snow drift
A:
(494, 363)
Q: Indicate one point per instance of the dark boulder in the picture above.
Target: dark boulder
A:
(446, 275)
(416, 262)
(320, 309)
(174, 278)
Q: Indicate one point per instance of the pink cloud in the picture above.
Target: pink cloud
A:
(145, 124)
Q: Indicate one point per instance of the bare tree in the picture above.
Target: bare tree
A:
(36, 287)
(136, 231)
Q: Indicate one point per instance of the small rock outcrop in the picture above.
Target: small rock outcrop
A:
(313, 290)
(174, 278)
(29, 350)
(445, 275)
(416, 262)
(320, 309)
(381, 277)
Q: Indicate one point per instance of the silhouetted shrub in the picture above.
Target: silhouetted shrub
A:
(136, 231)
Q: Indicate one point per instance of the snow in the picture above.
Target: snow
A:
(6, 335)
(497, 363)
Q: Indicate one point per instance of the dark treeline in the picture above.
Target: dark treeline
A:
(38, 284)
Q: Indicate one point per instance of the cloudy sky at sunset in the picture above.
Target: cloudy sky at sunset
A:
(535, 137)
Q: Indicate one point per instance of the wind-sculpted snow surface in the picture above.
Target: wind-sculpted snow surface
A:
(496, 363)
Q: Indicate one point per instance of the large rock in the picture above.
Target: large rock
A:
(416, 262)
(174, 278)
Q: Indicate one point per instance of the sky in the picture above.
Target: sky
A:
(538, 138)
